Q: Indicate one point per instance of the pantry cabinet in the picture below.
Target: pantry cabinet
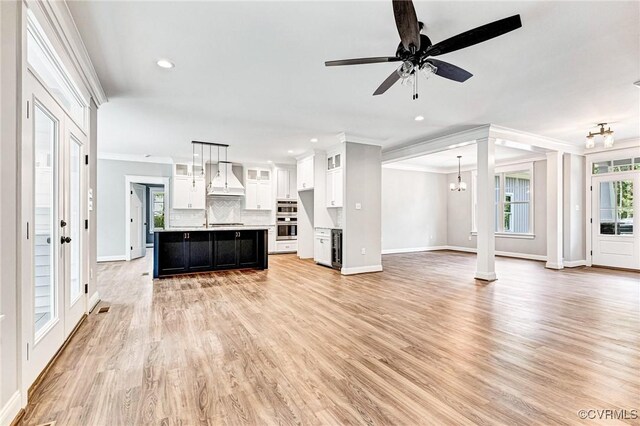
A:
(334, 180)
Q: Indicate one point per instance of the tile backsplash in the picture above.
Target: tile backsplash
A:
(221, 210)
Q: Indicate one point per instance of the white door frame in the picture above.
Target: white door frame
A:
(128, 180)
(617, 154)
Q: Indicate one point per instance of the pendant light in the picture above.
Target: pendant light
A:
(460, 185)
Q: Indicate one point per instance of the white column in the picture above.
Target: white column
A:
(554, 210)
(485, 214)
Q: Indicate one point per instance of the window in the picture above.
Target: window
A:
(614, 166)
(513, 200)
(47, 66)
(616, 207)
(157, 209)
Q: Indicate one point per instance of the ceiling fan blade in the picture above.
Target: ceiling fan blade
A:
(475, 36)
(390, 81)
(360, 61)
(450, 71)
(407, 23)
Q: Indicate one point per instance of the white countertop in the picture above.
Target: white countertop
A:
(217, 228)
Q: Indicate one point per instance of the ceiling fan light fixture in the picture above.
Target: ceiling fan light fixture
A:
(428, 69)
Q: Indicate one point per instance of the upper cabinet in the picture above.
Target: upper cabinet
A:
(285, 184)
(334, 180)
(258, 189)
(305, 173)
(188, 193)
(184, 169)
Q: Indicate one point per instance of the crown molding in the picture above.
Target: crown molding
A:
(348, 137)
(518, 136)
(113, 156)
(60, 21)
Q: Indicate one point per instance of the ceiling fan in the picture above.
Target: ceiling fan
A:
(415, 50)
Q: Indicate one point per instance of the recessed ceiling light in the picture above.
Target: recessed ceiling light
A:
(196, 155)
(164, 63)
(314, 140)
(290, 151)
(419, 118)
(269, 161)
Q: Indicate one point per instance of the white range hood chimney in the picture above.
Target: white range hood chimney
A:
(225, 183)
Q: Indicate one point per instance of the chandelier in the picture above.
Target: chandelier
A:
(590, 141)
(460, 185)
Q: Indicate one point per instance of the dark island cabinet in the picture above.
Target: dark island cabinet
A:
(208, 250)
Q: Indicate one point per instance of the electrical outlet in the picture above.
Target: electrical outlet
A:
(358, 206)
(363, 251)
(469, 237)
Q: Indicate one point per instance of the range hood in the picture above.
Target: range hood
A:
(225, 183)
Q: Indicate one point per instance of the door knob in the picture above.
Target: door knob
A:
(63, 223)
(67, 240)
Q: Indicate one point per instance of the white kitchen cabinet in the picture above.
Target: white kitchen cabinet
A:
(334, 194)
(184, 169)
(258, 189)
(285, 184)
(271, 246)
(286, 246)
(186, 195)
(322, 246)
(305, 173)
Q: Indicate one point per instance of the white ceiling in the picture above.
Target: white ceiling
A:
(447, 161)
(251, 74)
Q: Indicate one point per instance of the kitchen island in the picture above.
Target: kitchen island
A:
(188, 250)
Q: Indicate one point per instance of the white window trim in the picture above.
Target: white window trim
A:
(500, 171)
(152, 191)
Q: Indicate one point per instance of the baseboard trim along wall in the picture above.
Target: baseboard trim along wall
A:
(413, 249)
(361, 270)
(93, 301)
(111, 258)
(10, 409)
(467, 250)
(574, 263)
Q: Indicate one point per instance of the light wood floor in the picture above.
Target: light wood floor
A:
(421, 343)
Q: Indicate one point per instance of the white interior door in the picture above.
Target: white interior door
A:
(137, 222)
(615, 239)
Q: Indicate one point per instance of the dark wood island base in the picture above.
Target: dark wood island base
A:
(201, 250)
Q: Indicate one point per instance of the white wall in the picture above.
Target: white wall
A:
(573, 208)
(414, 210)
(111, 192)
(362, 227)
(9, 230)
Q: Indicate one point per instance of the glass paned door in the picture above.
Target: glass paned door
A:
(45, 164)
(615, 236)
(53, 177)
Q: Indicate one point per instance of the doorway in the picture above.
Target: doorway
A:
(145, 212)
(615, 212)
(54, 204)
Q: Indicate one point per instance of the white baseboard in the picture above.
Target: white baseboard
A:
(413, 249)
(93, 301)
(574, 263)
(10, 409)
(361, 270)
(501, 253)
(552, 265)
(111, 258)
(485, 276)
